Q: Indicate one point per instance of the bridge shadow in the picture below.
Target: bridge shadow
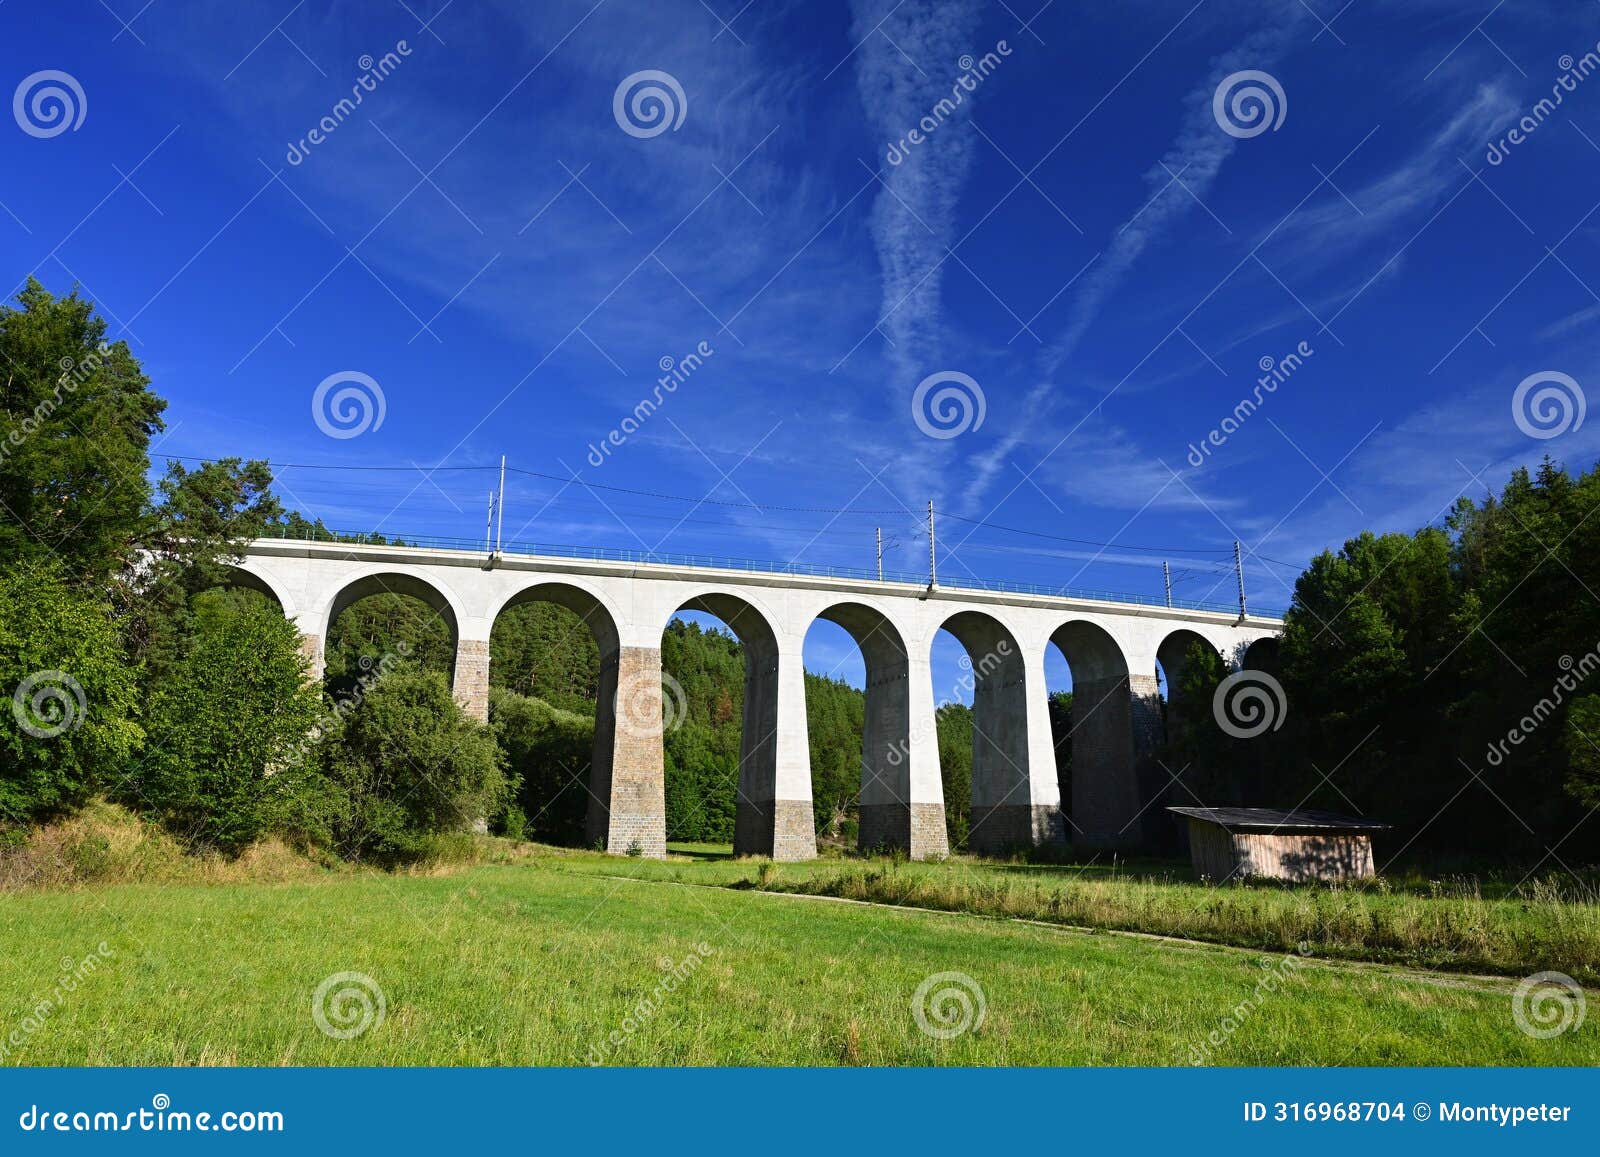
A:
(700, 853)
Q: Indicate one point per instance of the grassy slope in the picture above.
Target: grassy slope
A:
(532, 963)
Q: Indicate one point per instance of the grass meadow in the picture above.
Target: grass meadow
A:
(543, 957)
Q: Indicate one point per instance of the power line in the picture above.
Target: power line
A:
(1085, 541)
(573, 480)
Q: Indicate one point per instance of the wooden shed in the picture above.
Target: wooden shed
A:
(1229, 843)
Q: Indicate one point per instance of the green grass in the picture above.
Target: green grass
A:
(1457, 925)
(536, 961)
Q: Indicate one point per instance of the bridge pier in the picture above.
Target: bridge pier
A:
(902, 795)
(1016, 797)
(311, 648)
(627, 777)
(471, 680)
(1116, 726)
(775, 816)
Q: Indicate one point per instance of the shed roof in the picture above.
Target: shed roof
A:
(1266, 819)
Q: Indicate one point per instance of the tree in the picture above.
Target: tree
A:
(548, 752)
(69, 726)
(1583, 749)
(407, 764)
(1440, 672)
(954, 723)
(546, 651)
(224, 721)
(386, 625)
(190, 538)
(76, 418)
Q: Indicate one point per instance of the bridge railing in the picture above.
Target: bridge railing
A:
(759, 566)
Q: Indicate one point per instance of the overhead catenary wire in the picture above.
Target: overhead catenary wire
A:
(574, 480)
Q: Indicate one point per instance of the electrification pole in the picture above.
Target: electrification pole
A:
(933, 557)
(880, 554)
(500, 506)
(1166, 573)
(1238, 566)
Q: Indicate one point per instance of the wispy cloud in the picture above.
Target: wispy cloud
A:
(903, 68)
(1345, 222)
(1178, 184)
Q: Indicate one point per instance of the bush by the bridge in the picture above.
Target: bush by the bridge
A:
(406, 765)
(230, 714)
(69, 726)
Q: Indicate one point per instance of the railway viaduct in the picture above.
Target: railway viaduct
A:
(1112, 648)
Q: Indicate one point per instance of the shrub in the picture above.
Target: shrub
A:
(69, 723)
(226, 716)
(407, 764)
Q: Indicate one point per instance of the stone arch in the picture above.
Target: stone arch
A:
(1112, 711)
(588, 605)
(758, 828)
(601, 621)
(898, 760)
(1264, 654)
(1173, 654)
(1003, 813)
(243, 576)
(379, 582)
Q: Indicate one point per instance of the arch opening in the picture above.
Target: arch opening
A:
(1173, 659)
(1109, 710)
(1263, 655)
(901, 801)
(237, 578)
(1189, 666)
(999, 812)
(383, 618)
(721, 750)
(550, 648)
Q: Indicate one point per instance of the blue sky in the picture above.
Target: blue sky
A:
(1081, 239)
